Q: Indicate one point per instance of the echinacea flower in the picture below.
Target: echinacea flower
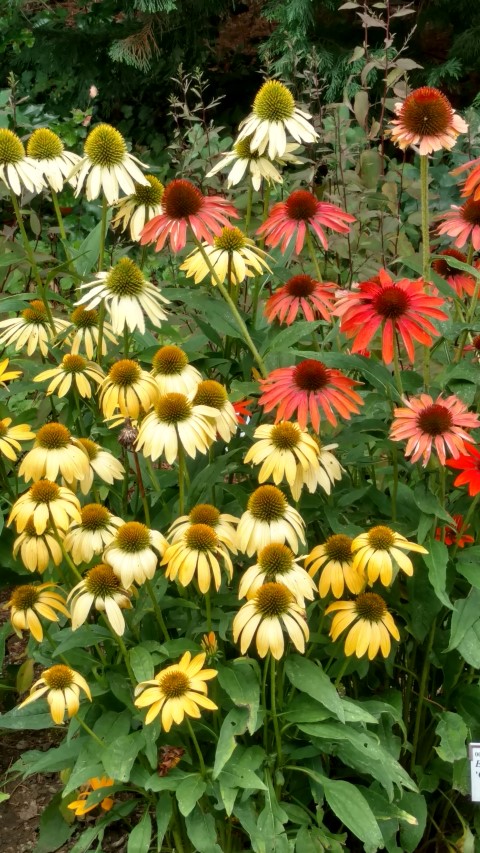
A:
(135, 210)
(177, 691)
(62, 686)
(73, 372)
(53, 162)
(84, 334)
(334, 560)
(439, 424)
(17, 171)
(28, 602)
(126, 294)
(462, 222)
(37, 550)
(232, 255)
(274, 112)
(44, 503)
(276, 563)
(211, 394)
(402, 309)
(243, 160)
(454, 534)
(426, 119)
(222, 523)
(301, 211)
(101, 463)
(282, 448)
(471, 184)
(323, 475)
(198, 552)
(7, 375)
(269, 518)
(91, 533)
(128, 388)
(175, 421)
(11, 436)
(242, 411)
(173, 373)
(462, 283)
(380, 551)
(106, 166)
(271, 610)
(31, 329)
(371, 628)
(102, 589)
(55, 452)
(185, 207)
(134, 552)
(305, 389)
(80, 807)
(301, 294)
(469, 464)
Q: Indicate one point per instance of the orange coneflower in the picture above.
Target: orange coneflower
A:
(463, 223)
(462, 283)
(426, 118)
(292, 218)
(426, 423)
(301, 294)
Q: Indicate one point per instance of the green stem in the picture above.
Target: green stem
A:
(141, 489)
(313, 257)
(341, 672)
(208, 610)
(395, 483)
(123, 650)
(101, 254)
(59, 216)
(421, 696)
(396, 369)
(89, 731)
(264, 705)
(157, 610)
(273, 709)
(66, 555)
(266, 200)
(126, 341)
(32, 261)
(181, 479)
(248, 213)
(196, 745)
(425, 250)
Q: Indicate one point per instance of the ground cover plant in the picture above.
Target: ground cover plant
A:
(240, 473)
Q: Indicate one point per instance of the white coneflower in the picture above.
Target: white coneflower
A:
(48, 152)
(274, 112)
(107, 166)
(137, 209)
(17, 171)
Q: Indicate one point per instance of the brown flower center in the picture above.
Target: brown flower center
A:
(381, 538)
(339, 548)
(84, 318)
(426, 112)
(90, 447)
(125, 372)
(301, 205)
(125, 279)
(35, 314)
(230, 240)
(301, 286)
(102, 581)
(267, 504)
(30, 528)
(94, 517)
(435, 420)
(392, 302)
(470, 212)
(275, 559)
(58, 677)
(169, 361)
(174, 684)
(24, 597)
(133, 537)
(173, 408)
(44, 492)
(441, 265)
(370, 606)
(476, 342)
(285, 436)
(273, 599)
(181, 199)
(73, 363)
(311, 375)
(205, 514)
(210, 393)
(201, 537)
(53, 436)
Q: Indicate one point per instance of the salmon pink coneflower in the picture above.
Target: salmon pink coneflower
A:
(426, 118)
(401, 308)
(303, 294)
(469, 465)
(291, 218)
(307, 388)
(463, 223)
(462, 283)
(471, 184)
(426, 424)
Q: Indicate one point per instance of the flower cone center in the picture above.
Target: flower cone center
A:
(105, 146)
(435, 420)
(210, 393)
(84, 318)
(426, 112)
(205, 514)
(242, 149)
(370, 606)
(58, 677)
(125, 372)
(125, 279)
(339, 548)
(476, 342)
(173, 408)
(471, 212)
(181, 199)
(174, 684)
(301, 205)
(275, 559)
(11, 147)
(267, 504)
(381, 538)
(169, 361)
(300, 286)
(102, 581)
(151, 195)
(392, 302)
(443, 268)
(273, 599)
(44, 492)
(273, 102)
(94, 516)
(133, 537)
(35, 314)
(44, 144)
(311, 375)
(53, 436)
(285, 436)
(230, 240)
(201, 537)
(73, 363)
(24, 597)
(90, 447)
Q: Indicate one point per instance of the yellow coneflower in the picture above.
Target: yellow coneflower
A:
(222, 524)
(177, 690)
(271, 610)
(62, 686)
(107, 166)
(259, 168)
(134, 552)
(377, 554)
(276, 563)
(273, 113)
(80, 808)
(44, 502)
(31, 329)
(47, 150)
(175, 421)
(128, 388)
(269, 518)
(91, 533)
(28, 602)
(84, 334)
(281, 450)
(173, 373)
(55, 452)
(139, 208)
(328, 471)
(101, 463)
(36, 550)
(100, 588)
(372, 626)
(197, 552)
(232, 255)
(11, 436)
(73, 371)
(334, 560)
(212, 394)
(5, 374)
(17, 171)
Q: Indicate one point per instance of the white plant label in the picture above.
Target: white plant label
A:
(474, 756)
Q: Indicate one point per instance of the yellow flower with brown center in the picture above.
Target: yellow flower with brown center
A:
(134, 552)
(107, 166)
(62, 686)
(272, 610)
(84, 334)
(212, 394)
(45, 502)
(128, 388)
(233, 256)
(334, 560)
(175, 421)
(28, 602)
(7, 375)
(36, 550)
(223, 524)
(177, 690)
(276, 563)
(377, 554)
(46, 149)
(282, 449)
(274, 113)
(11, 436)
(100, 588)
(17, 171)
(91, 533)
(137, 209)
(101, 463)
(197, 552)
(245, 160)
(80, 807)
(269, 518)
(328, 471)
(126, 294)
(74, 371)
(55, 452)
(371, 628)
(173, 373)
(31, 329)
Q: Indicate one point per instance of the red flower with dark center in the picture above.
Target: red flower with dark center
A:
(399, 307)
(307, 388)
(313, 299)
(460, 281)
(471, 184)
(463, 223)
(426, 423)
(426, 118)
(469, 464)
(290, 219)
(451, 536)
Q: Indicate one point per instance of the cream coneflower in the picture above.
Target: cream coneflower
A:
(175, 421)
(134, 552)
(102, 589)
(53, 162)
(44, 502)
(328, 471)
(334, 560)
(84, 334)
(7, 375)
(36, 550)
(55, 452)
(80, 807)
(91, 533)
(268, 518)
(102, 463)
(276, 563)
(426, 118)
(274, 112)
(128, 388)
(17, 171)
(62, 686)
(127, 295)
(177, 691)
(140, 207)
(11, 436)
(223, 524)
(426, 424)
(232, 255)
(107, 166)
(197, 552)
(29, 602)
(74, 371)
(172, 372)
(282, 448)
(213, 395)
(272, 609)
(379, 552)
(243, 160)
(30, 329)
(371, 629)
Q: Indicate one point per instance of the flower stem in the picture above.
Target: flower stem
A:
(157, 610)
(208, 610)
(4, 477)
(273, 709)
(66, 555)
(101, 254)
(396, 369)
(313, 257)
(248, 213)
(89, 731)
(59, 216)
(421, 694)
(196, 745)
(32, 261)
(425, 250)
(181, 479)
(470, 316)
(141, 489)
(341, 672)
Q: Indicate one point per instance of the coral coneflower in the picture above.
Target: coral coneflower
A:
(292, 218)
(140, 207)
(62, 686)
(426, 423)
(463, 223)
(469, 464)
(198, 552)
(28, 602)
(471, 184)
(43, 503)
(272, 610)
(102, 589)
(301, 294)
(53, 162)
(426, 118)
(232, 254)
(274, 113)
(334, 560)
(173, 373)
(91, 534)
(223, 524)
(177, 690)
(128, 388)
(17, 171)
(462, 283)
(276, 563)
(107, 166)
(269, 518)
(243, 160)
(11, 436)
(379, 552)
(371, 629)
(175, 421)
(55, 452)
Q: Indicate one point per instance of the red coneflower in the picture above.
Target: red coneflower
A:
(462, 283)
(463, 223)
(184, 206)
(471, 184)
(290, 219)
(469, 465)
(451, 537)
(400, 307)
(426, 423)
(307, 388)
(426, 118)
(301, 293)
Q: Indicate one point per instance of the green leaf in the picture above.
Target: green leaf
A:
(140, 836)
(142, 663)
(453, 733)
(351, 807)
(436, 561)
(189, 792)
(429, 504)
(235, 723)
(465, 615)
(239, 772)
(271, 821)
(286, 338)
(26, 718)
(53, 830)
(89, 250)
(411, 834)
(118, 757)
(308, 841)
(51, 761)
(201, 832)
(311, 679)
(163, 813)
(4, 796)
(240, 681)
